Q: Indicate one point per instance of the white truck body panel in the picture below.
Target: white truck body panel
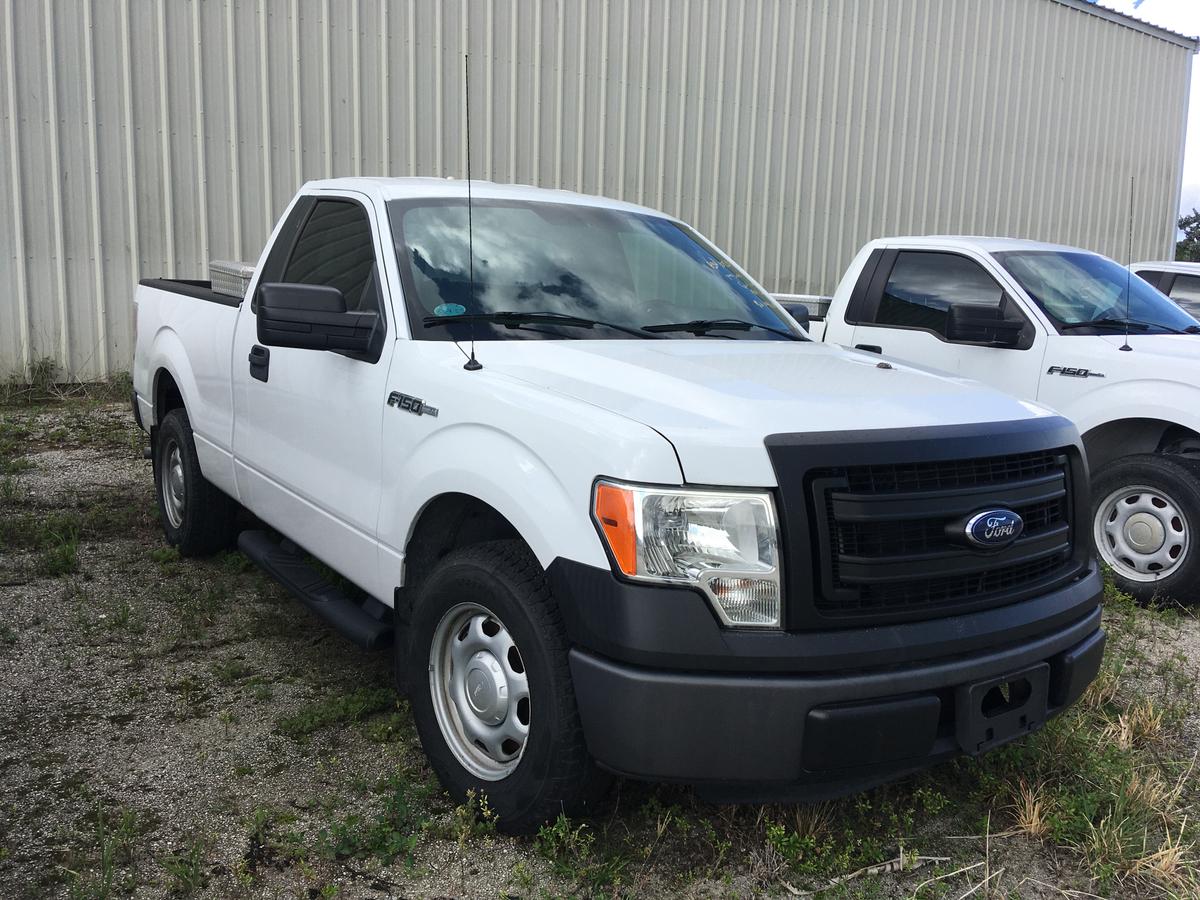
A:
(317, 454)
(1160, 378)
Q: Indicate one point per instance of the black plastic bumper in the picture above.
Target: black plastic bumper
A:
(843, 731)
(666, 694)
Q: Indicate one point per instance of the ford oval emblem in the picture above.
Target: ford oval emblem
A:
(994, 529)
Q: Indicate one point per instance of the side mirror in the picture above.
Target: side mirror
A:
(970, 324)
(798, 311)
(311, 317)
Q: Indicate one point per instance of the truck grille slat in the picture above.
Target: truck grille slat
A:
(888, 540)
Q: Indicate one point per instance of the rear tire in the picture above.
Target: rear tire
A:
(490, 687)
(1146, 525)
(197, 518)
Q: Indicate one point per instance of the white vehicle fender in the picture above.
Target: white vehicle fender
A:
(550, 515)
(167, 354)
(1169, 401)
(209, 413)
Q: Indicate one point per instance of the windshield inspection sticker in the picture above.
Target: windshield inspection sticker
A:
(449, 309)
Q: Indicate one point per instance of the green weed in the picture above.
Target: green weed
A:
(570, 850)
(339, 710)
(185, 869)
(392, 832)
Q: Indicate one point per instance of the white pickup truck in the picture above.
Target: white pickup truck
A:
(1071, 330)
(614, 510)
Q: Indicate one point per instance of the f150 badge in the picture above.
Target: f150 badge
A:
(1072, 372)
(993, 529)
(414, 405)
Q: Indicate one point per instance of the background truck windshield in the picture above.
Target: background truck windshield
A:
(1074, 288)
(612, 266)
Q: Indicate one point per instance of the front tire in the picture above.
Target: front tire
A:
(487, 675)
(197, 518)
(1146, 517)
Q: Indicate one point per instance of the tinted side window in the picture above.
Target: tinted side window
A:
(922, 286)
(335, 248)
(1149, 276)
(1186, 292)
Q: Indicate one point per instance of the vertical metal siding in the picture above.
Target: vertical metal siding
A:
(144, 137)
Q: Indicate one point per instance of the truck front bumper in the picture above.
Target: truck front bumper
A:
(755, 735)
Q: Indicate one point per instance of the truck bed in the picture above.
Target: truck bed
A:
(200, 290)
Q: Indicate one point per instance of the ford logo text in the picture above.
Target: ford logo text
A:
(993, 529)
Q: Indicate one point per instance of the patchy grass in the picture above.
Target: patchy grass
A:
(185, 868)
(43, 383)
(342, 709)
(392, 831)
(267, 757)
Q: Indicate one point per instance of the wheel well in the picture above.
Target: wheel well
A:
(1112, 440)
(448, 523)
(166, 395)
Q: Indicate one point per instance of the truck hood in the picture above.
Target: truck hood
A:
(1161, 349)
(716, 400)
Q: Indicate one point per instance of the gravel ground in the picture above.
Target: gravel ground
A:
(174, 727)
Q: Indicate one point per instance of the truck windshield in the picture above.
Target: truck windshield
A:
(615, 268)
(1084, 293)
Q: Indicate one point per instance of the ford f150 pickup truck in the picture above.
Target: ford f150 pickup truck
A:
(615, 511)
(1071, 330)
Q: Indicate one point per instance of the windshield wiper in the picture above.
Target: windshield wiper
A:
(703, 326)
(1122, 324)
(514, 319)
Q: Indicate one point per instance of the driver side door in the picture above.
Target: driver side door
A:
(905, 312)
(308, 422)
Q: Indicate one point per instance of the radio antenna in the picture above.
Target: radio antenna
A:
(1128, 270)
(472, 364)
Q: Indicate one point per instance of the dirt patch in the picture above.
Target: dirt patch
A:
(183, 727)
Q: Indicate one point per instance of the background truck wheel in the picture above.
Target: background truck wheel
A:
(1145, 521)
(196, 516)
(490, 687)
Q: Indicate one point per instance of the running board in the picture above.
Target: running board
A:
(369, 625)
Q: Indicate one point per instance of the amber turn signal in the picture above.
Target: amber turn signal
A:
(614, 512)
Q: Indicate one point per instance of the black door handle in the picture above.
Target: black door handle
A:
(260, 362)
(869, 348)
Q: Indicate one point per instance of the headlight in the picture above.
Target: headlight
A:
(724, 542)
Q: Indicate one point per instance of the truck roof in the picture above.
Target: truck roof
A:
(408, 188)
(1169, 265)
(976, 242)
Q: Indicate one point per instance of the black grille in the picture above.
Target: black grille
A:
(891, 537)
(928, 476)
(934, 593)
(929, 535)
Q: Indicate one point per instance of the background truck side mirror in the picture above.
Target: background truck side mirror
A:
(312, 317)
(798, 311)
(971, 324)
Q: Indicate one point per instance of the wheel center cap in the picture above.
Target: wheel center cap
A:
(1145, 533)
(486, 688)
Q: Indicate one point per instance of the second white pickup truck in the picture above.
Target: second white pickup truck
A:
(1074, 331)
(616, 512)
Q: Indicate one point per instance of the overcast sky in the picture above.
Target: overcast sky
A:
(1182, 16)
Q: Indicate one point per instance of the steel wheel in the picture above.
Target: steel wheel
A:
(480, 691)
(174, 495)
(1141, 533)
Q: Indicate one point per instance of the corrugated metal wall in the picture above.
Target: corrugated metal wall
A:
(144, 137)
